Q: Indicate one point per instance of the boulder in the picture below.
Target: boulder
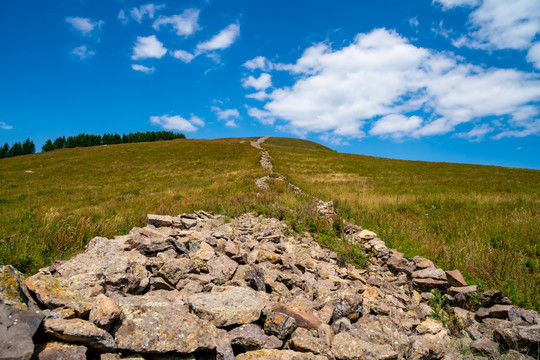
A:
(13, 290)
(486, 347)
(80, 331)
(500, 311)
(422, 263)
(367, 235)
(17, 327)
(61, 351)
(55, 292)
(429, 273)
(429, 326)
(346, 346)
(303, 319)
(222, 268)
(453, 290)
(104, 312)
(455, 278)
(175, 269)
(522, 338)
(250, 337)
(279, 324)
(228, 305)
(162, 220)
(159, 324)
(429, 284)
(302, 340)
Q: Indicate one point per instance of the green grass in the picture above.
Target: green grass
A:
(483, 220)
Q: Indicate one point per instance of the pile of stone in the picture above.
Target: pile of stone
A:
(198, 287)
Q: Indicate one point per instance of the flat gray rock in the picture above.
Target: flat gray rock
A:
(17, 327)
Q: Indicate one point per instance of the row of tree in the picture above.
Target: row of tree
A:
(85, 140)
(17, 149)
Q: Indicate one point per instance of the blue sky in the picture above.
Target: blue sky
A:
(442, 80)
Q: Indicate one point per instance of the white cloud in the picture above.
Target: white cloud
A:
(142, 68)
(477, 133)
(82, 52)
(259, 62)
(222, 40)
(123, 17)
(85, 25)
(259, 95)
(503, 24)
(185, 24)
(450, 4)
(139, 13)
(382, 76)
(533, 56)
(5, 126)
(176, 122)
(396, 125)
(183, 55)
(262, 83)
(148, 47)
(265, 117)
(224, 114)
(413, 22)
(231, 123)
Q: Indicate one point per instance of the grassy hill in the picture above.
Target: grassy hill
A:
(480, 219)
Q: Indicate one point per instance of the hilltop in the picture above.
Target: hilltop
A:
(480, 219)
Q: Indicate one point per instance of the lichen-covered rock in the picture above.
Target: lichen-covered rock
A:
(525, 339)
(346, 346)
(228, 305)
(13, 290)
(159, 324)
(431, 273)
(221, 268)
(104, 312)
(175, 269)
(80, 331)
(302, 318)
(105, 262)
(486, 347)
(55, 292)
(61, 351)
(302, 340)
(251, 337)
(271, 354)
(279, 324)
(17, 327)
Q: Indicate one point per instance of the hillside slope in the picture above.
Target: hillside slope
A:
(480, 219)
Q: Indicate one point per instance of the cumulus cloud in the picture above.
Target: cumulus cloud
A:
(380, 83)
(224, 114)
(259, 62)
(142, 68)
(221, 40)
(176, 122)
(5, 126)
(148, 47)
(183, 55)
(450, 4)
(123, 17)
(501, 24)
(139, 13)
(82, 52)
(84, 25)
(477, 133)
(184, 24)
(263, 82)
(533, 56)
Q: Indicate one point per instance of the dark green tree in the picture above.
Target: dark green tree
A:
(48, 146)
(4, 151)
(28, 147)
(60, 142)
(15, 150)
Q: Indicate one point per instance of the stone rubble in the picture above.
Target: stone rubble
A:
(248, 289)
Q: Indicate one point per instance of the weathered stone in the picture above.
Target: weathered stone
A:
(500, 311)
(525, 339)
(426, 347)
(455, 278)
(367, 235)
(59, 313)
(53, 292)
(77, 330)
(302, 340)
(17, 327)
(159, 324)
(187, 222)
(279, 324)
(341, 325)
(492, 297)
(431, 273)
(175, 269)
(201, 256)
(61, 351)
(348, 347)
(158, 283)
(104, 312)
(227, 305)
(222, 268)
(13, 290)
(514, 355)
(422, 263)
(271, 354)
(347, 305)
(429, 284)
(303, 319)
(429, 326)
(250, 337)
(487, 347)
(462, 290)
(162, 220)
(105, 262)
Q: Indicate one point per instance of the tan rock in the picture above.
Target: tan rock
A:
(271, 354)
(61, 351)
(104, 312)
(81, 331)
(13, 290)
(455, 278)
(303, 319)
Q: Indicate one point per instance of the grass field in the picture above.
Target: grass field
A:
(483, 220)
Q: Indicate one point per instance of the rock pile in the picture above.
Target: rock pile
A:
(198, 287)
